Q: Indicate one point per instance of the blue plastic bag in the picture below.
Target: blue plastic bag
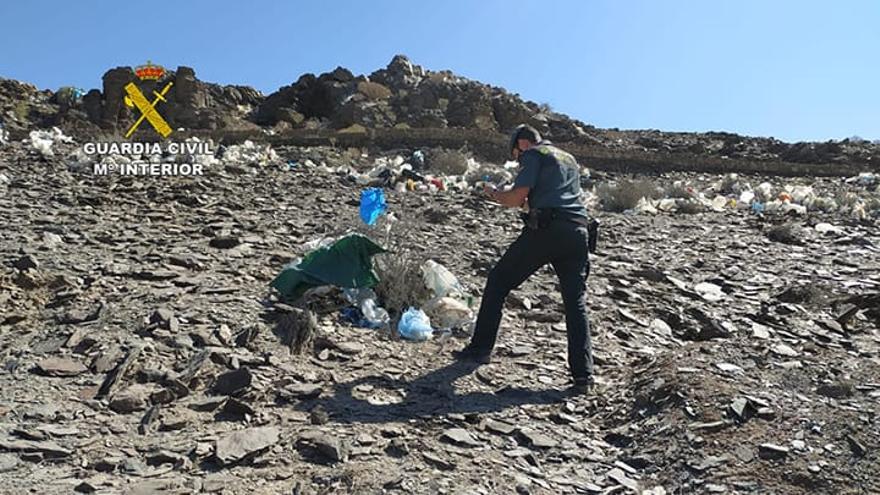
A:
(414, 324)
(372, 205)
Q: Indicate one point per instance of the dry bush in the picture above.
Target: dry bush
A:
(448, 162)
(678, 190)
(400, 268)
(373, 90)
(298, 329)
(690, 207)
(730, 184)
(20, 110)
(787, 233)
(626, 194)
(847, 199)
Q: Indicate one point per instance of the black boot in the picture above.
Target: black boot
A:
(473, 354)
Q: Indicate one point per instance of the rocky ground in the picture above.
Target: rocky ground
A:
(141, 352)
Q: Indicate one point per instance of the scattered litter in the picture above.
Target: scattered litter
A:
(827, 228)
(365, 311)
(249, 153)
(414, 324)
(43, 141)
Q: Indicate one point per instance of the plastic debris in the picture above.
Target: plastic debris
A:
(800, 194)
(644, 205)
(718, 203)
(345, 263)
(365, 311)
(42, 141)
(373, 205)
(415, 325)
(249, 153)
(667, 204)
(787, 207)
(764, 192)
(374, 315)
(204, 159)
(826, 228)
(439, 279)
(417, 160)
(864, 179)
(758, 207)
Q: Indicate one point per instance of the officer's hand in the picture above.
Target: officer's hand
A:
(489, 190)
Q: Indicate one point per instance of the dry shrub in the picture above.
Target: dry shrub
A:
(730, 184)
(20, 110)
(678, 190)
(847, 199)
(448, 162)
(400, 268)
(373, 90)
(298, 329)
(625, 195)
(690, 207)
(787, 233)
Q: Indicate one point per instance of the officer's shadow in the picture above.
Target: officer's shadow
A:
(432, 394)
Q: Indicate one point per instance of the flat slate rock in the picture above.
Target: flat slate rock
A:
(55, 366)
(302, 391)
(49, 449)
(460, 436)
(537, 440)
(8, 462)
(239, 445)
(233, 381)
(499, 427)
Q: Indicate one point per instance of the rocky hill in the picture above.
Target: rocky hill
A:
(402, 96)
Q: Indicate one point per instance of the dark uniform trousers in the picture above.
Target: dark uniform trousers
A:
(563, 244)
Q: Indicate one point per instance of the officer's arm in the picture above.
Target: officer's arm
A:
(513, 198)
(525, 180)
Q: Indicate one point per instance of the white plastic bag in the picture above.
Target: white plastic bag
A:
(439, 279)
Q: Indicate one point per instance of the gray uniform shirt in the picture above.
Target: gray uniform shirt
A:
(553, 178)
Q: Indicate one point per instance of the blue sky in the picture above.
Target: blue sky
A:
(795, 70)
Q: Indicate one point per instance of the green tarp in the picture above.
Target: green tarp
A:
(346, 263)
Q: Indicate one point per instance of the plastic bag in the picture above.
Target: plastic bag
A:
(414, 324)
(439, 279)
(764, 192)
(372, 205)
(374, 315)
(42, 141)
(364, 299)
(718, 203)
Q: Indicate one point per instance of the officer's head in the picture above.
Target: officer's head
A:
(523, 137)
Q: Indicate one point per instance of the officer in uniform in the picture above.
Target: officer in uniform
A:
(556, 232)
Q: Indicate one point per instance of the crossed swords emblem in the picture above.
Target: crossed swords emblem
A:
(148, 109)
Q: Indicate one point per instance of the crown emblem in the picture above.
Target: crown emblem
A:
(149, 72)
